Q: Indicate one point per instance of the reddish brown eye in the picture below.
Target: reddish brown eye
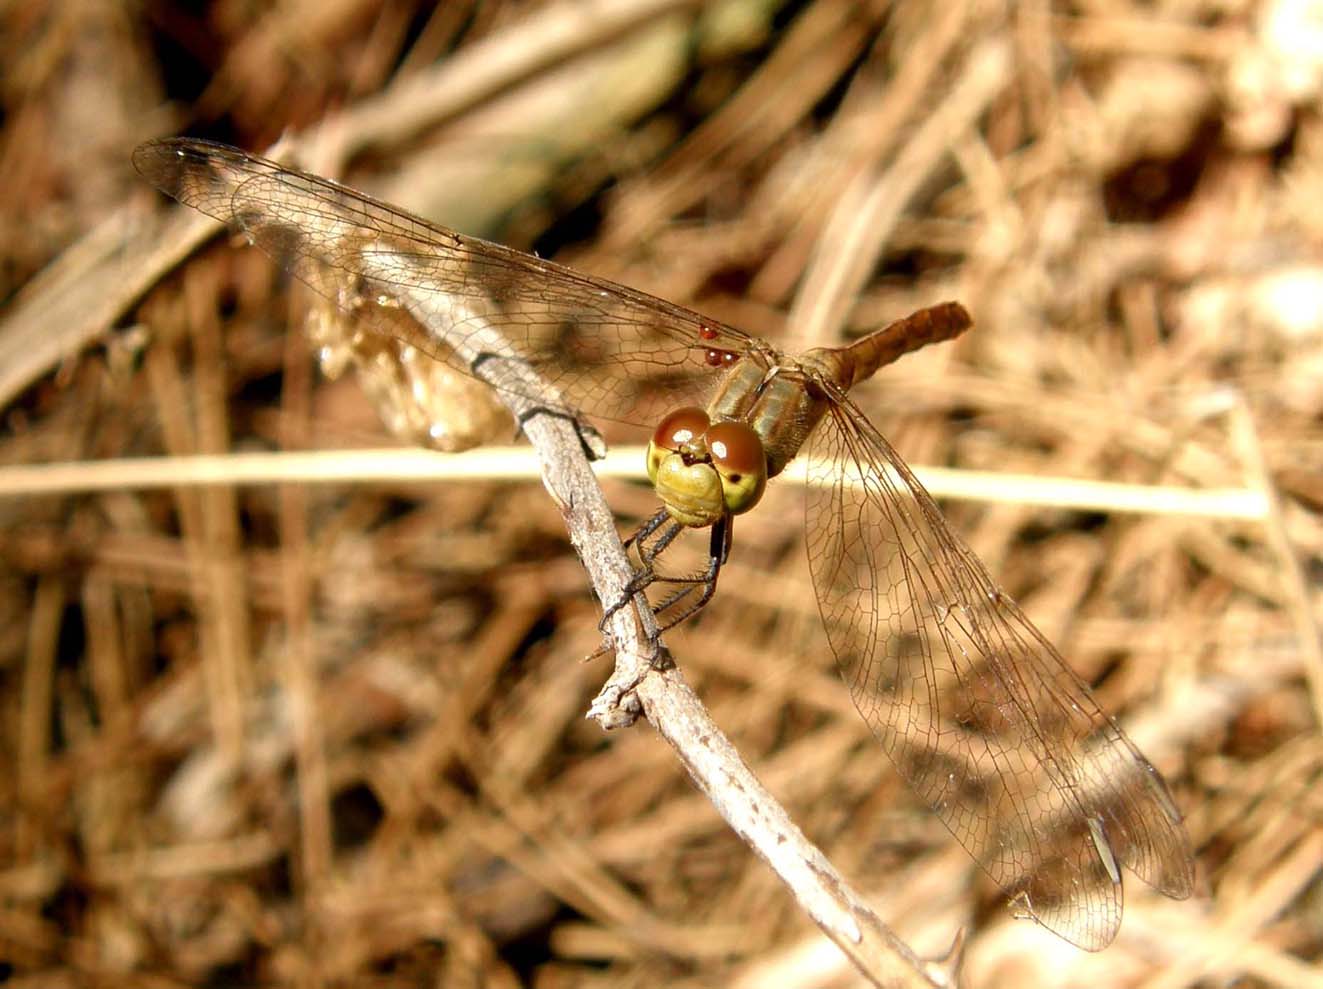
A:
(737, 454)
(735, 448)
(680, 427)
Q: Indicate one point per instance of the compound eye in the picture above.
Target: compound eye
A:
(737, 454)
(680, 427)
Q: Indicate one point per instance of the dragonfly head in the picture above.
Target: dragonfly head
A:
(703, 470)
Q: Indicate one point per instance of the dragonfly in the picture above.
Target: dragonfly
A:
(974, 706)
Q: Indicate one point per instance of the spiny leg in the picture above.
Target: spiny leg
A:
(644, 575)
(594, 447)
(645, 532)
(703, 584)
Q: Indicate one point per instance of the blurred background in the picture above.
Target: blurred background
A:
(333, 735)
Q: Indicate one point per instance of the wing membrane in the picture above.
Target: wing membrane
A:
(976, 709)
(600, 347)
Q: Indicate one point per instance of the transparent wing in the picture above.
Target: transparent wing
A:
(977, 710)
(600, 347)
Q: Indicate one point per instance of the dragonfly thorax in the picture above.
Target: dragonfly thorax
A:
(704, 470)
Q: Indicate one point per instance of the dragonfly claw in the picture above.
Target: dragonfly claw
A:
(590, 439)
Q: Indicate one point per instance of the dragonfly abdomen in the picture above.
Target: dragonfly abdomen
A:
(849, 365)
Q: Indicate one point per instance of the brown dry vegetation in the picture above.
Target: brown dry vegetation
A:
(333, 734)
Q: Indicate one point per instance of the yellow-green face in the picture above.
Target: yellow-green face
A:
(703, 470)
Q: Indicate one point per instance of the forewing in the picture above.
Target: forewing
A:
(977, 710)
(590, 344)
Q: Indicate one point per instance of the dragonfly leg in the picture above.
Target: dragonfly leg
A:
(690, 591)
(645, 575)
(594, 447)
(705, 583)
(643, 533)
